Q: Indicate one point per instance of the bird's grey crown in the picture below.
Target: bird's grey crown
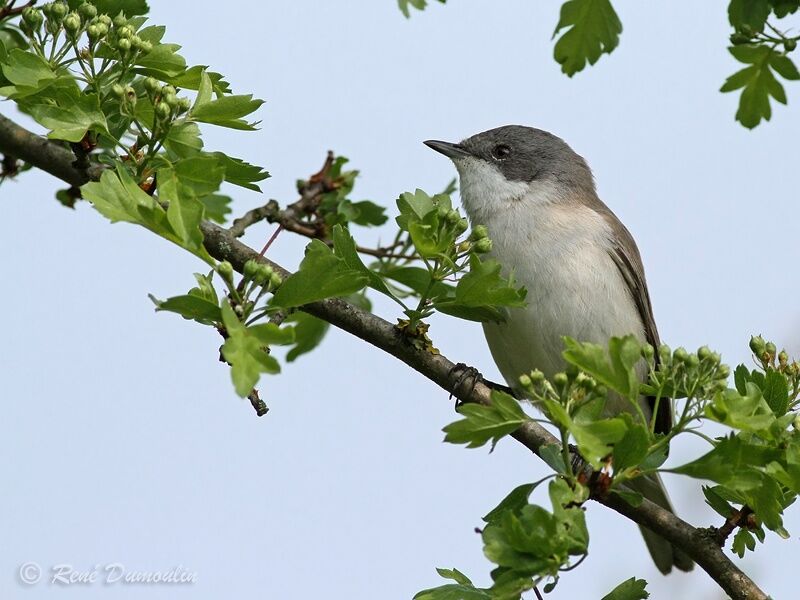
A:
(534, 154)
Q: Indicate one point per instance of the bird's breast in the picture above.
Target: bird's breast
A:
(561, 255)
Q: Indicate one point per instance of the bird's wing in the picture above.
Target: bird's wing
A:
(626, 256)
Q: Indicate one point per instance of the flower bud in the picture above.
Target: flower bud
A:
(145, 46)
(87, 11)
(758, 345)
(31, 19)
(648, 352)
(125, 32)
(461, 226)
(560, 380)
(680, 355)
(152, 85)
(93, 31)
(452, 216)
(58, 10)
(263, 273)
(442, 211)
(72, 23)
(479, 232)
(123, 45)
(167, 90)
(118, 90)
(162, 110)
(525, 381)
(771, 349)
(693, 360)
(665, 352)
(783, 358)
(790, 44)
(275, 281)
(483, 245)
(225, 270)
(703, 352)
(536, 376)
(120, 21)
(723, 372)
(464, 247)
(130, 97)
(171, 100)
(105, 20)
(250, 269)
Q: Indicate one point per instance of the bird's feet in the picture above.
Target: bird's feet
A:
(468, 377)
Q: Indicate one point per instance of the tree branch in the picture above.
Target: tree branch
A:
(223, 245)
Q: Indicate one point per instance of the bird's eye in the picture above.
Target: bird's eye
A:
(501, 151)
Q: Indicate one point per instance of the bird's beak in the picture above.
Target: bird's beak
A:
(449, 149)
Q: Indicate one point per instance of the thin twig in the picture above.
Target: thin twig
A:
(738, 519)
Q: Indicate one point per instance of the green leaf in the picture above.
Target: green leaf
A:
(482, 424)
(758, 81)
(630, 589)
(631, 497)
(717, 502)
(595, 440)
(405, 5)
(784, 7)
(162, 62)
(776, 392)
(748, 412)
(246, 349)
(205, 287)
(416, 206)
(191, 307)
(227, 111)
(71, 122)
(415, 278)
(593, 28)
(199, 76)
(119, 198)
(28, 72)
(217, 207)
(613, 368)
(454, 591)
(481, 292)
(309, 332)
(455, 575)
(184, 139)
(183, 185)
(345, 248)
(321, 275)
(552, 455)
(752, 13)
(514, 501)
(733, 463)
(366, 213)
(239, 172)
(631, 450)
(740, 378)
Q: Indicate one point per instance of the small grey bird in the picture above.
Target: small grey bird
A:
(581, 267)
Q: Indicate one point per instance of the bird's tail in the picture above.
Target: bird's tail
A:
(664, 554)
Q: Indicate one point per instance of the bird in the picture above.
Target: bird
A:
(584, 275)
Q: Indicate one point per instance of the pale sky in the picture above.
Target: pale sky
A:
(123, 438)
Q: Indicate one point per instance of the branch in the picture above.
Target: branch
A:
(292, 217)
(223, 245)
(740, 518)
